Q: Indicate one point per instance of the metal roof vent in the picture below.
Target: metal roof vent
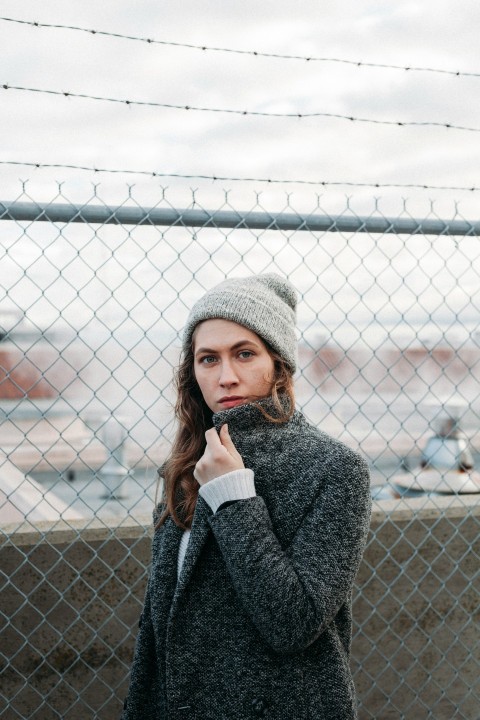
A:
(446, 465)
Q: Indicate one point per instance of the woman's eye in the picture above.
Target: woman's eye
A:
(245, 354)
(207, 360)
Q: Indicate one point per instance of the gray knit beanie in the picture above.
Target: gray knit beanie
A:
(265, 304)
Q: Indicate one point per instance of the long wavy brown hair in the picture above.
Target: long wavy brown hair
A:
(180, 489)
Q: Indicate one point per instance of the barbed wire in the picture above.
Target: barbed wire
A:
(232, 111)
(252, 53)
(222, 178)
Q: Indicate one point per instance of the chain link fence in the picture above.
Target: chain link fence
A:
(93, 298)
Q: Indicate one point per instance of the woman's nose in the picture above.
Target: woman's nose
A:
(228, 375)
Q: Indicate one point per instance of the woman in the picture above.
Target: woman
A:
(259, 536)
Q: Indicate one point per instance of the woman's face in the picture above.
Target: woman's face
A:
(232, 364)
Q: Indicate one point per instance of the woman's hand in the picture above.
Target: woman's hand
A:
(220, 456)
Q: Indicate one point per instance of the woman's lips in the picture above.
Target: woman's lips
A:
(231, 401)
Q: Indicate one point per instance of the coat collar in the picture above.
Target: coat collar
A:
(250, 416)
(198, 537)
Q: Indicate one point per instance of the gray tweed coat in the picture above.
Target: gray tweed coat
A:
(259, 623)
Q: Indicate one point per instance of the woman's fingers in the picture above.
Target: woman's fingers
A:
(213, 440)
(227, 442)
(219, 458)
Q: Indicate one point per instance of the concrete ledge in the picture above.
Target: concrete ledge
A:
(423, 508)
(59, 532)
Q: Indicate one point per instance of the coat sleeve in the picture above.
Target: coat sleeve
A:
(293, 594)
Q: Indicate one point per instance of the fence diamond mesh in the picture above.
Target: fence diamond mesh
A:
(93, 298)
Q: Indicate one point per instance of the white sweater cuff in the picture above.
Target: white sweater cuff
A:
(235, 485)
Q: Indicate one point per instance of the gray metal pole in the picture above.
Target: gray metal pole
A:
(101, 215)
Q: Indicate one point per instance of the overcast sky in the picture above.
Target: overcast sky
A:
(45, 128)
(54, 129)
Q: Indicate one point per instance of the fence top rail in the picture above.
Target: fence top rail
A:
(122, 215)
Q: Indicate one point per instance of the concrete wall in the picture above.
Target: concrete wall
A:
(72, 594)
(416, 652)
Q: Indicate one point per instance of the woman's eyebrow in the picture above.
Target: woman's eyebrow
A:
(204, 350)
(243, 342)
(235, 346)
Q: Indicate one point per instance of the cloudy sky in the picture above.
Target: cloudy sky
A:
(46, 128)
(43, 128)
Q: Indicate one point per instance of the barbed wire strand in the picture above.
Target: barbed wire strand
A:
(252, 53)
(222, 178)
(232, 111)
